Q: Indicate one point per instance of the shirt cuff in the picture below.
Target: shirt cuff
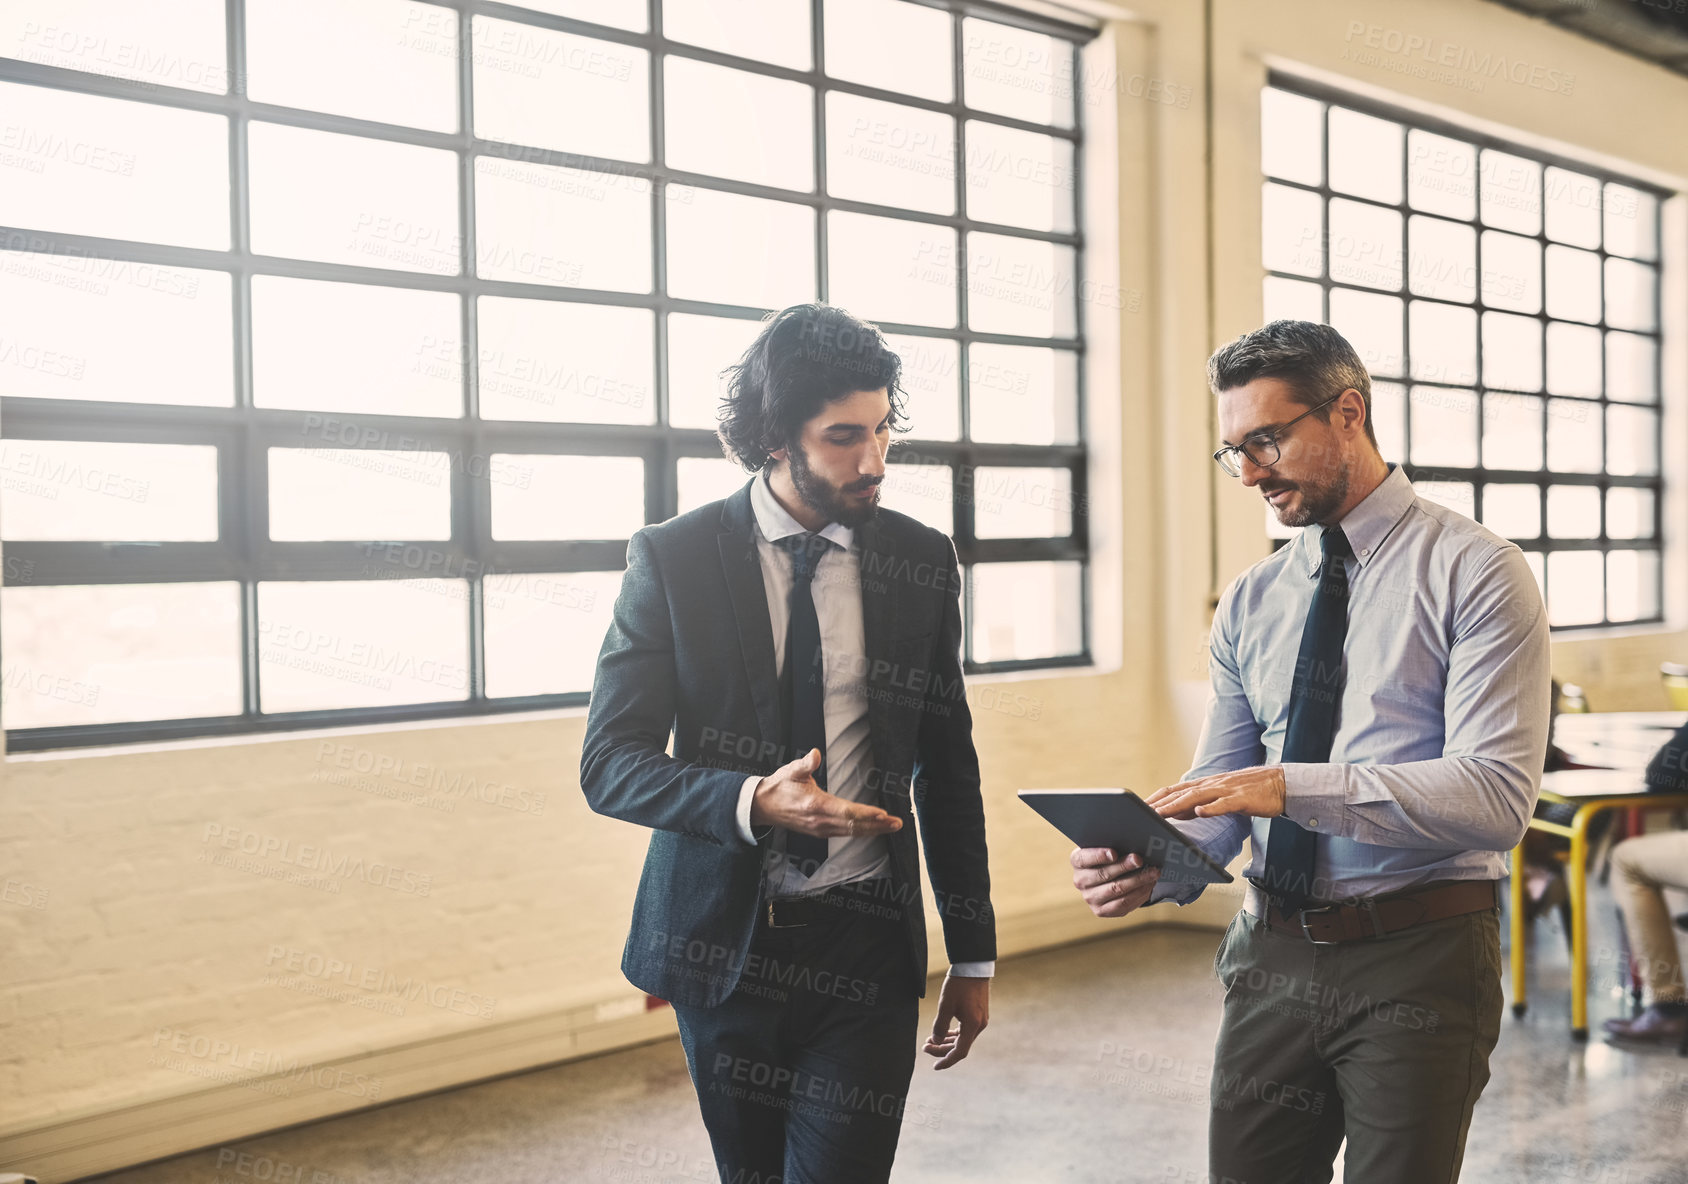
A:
(973, 969)
(1178, 893)
(1315, 796)
(746, 793)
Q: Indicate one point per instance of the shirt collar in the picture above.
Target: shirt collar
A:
(776, 523)
(1367, 524)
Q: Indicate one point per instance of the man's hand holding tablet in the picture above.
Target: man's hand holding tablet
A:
(1111, 887)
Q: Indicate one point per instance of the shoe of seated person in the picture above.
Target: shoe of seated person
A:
(1659, 1024)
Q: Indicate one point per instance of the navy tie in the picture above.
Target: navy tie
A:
(804, 682)
(1313, 698)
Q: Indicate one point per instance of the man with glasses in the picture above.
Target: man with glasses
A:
(1377, 729)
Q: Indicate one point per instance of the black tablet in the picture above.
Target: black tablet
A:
(1120, 820)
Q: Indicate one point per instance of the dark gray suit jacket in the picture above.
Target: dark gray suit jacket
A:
(691, 651)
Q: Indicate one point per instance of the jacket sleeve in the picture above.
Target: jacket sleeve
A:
(951, 809)
(625, 770)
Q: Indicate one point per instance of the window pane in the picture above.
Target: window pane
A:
(923, 490)
(1573, 284)
(1631, 222)
(622, 14)
(1632, 368)
(540, 224)
(1293, 300)
(1573, 360)
(1020, 285)
(1365, 155)
(1632, 295)
(1389, 412)
(558, 361)
(543, 630)
(1575, 595)
(1512, 511)
(1026, 610)
(1572, 207)
(1630, 513)
(707, 479)
(699, 349)
(1512, 352)
(1022, 503)
(1512, 432)
(1372, 323)
(1537, 563)
(732, 123)
(89, 165)
(890, 154)
(387, 60)
(1443, 263)
(1022, 394)
(890, 44)
(106, 653)
(1443, 342)
(1365, 244)
(566, 497)
(1632, 585)
(741, 250)
(1444, 427)
(86, 489)
(769, 30)
(1632, 441)
(177, 44)
(1573, 512)
(1293, 234)
(350, 199)
(1510, 192)
(358, 493)
(1511, 272)
(82, 327)
(932, 378)
(1457, 496)
(1291, 128)
(1019, 178)
(350, 643)
(886, 269)
(1017, 72)
(392, 351)
(1573, 436)
(547, 89)
(1441, 175)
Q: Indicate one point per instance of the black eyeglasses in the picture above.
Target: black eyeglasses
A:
(1262, 447)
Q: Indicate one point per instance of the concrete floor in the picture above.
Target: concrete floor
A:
(1042, 1099)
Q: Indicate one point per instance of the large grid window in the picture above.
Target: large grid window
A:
(1506, 304)
(342, 347)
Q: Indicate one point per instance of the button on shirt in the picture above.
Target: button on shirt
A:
(838, 604)
(1441, 732)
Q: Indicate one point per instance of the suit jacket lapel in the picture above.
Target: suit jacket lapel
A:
(743, 569)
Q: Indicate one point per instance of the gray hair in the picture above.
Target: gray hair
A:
(1313, 359)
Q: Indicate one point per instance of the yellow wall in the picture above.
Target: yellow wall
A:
(133, 943)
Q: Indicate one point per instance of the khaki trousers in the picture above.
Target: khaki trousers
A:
(1643, 867)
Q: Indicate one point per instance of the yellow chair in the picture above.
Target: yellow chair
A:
(1675, 677)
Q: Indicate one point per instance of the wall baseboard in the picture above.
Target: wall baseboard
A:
(106, 1139)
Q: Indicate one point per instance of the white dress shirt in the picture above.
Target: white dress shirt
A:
(837, 592)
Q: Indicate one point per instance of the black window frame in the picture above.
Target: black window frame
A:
(242, 433)
(1480, 475)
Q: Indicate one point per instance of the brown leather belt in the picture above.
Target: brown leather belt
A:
(1375, 916)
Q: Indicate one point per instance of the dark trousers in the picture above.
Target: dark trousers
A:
(1384, 1041)
(802, 1073)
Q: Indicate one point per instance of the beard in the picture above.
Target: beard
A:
(1319, 499)
(825, 498)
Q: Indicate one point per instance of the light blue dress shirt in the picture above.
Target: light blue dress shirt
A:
(1441, 732)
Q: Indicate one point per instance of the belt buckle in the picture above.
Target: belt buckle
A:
(1301, 915)
(773, 924)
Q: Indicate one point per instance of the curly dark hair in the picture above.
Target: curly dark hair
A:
(806, 356)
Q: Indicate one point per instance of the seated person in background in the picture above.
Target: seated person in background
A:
(1645, 866)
